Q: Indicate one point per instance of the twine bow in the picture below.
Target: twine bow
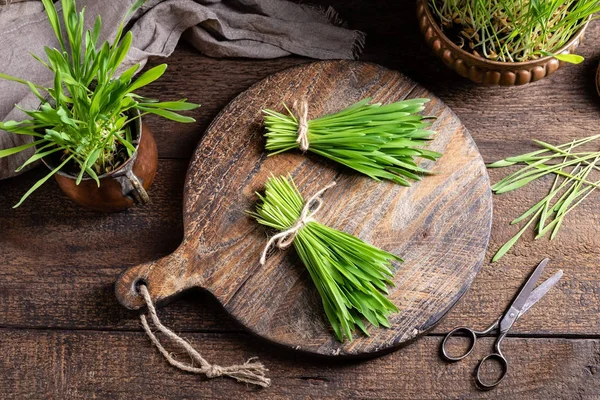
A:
(285, 238)
(301, 108)
(250, 372)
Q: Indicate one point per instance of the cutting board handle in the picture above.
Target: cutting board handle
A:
(164, 278)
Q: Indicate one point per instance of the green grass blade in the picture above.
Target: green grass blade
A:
(54, 21)
(14, 150)
(148, 77)
(168, 114)
(42, 181)
(512, 241)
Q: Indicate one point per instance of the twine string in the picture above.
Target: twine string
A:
(285, 238)
(301, 110)
(251, 371)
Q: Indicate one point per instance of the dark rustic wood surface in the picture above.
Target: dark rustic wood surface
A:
(64, 335)
(440, 226)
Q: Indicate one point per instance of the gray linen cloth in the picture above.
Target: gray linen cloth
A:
(217, 28)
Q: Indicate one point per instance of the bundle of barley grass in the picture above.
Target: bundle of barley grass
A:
(380, 141)
(350, 275)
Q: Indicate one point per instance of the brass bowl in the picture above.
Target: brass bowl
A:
(481, 70)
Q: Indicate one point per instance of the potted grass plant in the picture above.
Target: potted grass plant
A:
(505, 42)
(88, 129)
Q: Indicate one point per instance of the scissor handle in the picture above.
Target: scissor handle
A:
(470, 333)
(499, 357)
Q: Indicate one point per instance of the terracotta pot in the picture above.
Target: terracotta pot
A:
(121, 188)
(481, 70)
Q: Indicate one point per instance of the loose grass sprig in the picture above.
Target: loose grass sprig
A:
(85, 115)
(514, 30)
(350, 275)
(573, 183)
(380, 141)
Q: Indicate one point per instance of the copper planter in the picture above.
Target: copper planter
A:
(121, 188)
(481, 70)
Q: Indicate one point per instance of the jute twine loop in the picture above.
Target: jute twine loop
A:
(301, 111)
(286, 238)
(250, 372)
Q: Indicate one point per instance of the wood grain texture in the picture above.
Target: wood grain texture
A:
(440, 226)
(109, 365)
(58, 262)
(39, 237)
(55, 253)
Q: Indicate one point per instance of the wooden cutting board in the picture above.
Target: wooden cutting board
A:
(440, 226)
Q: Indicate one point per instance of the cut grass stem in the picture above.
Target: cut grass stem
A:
(570, 187)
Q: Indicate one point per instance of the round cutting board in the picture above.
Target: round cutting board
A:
(439, 226)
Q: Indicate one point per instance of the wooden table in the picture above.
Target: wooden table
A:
(63, 334)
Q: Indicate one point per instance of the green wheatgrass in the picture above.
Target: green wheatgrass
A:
(380, 141)
(350, 275)
(572, 184)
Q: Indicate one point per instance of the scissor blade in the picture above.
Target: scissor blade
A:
(541, 291)
(524, 294)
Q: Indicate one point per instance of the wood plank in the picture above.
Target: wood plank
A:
(50, 230)
(62, 260)
(59, 264)
(65, 364)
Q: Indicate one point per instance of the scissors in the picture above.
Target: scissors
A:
(526, 298)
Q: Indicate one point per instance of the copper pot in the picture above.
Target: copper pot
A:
(121, 188)
(484, 71)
